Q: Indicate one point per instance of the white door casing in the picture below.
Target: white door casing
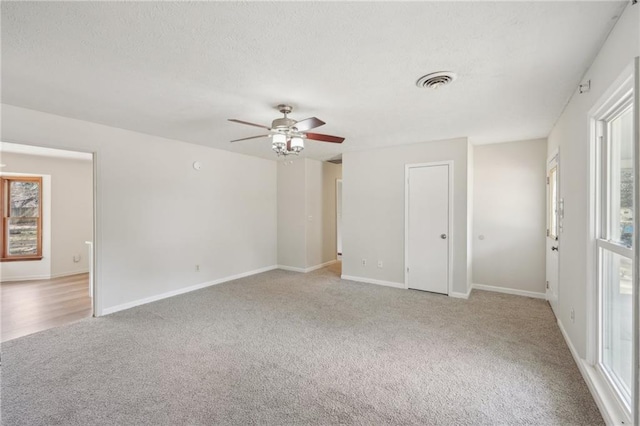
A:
(427, 227)
(553, 230)
(339, 216)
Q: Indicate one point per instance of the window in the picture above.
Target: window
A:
(614, 245)
(21, 218)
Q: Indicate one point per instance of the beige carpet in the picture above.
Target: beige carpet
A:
(283, 348)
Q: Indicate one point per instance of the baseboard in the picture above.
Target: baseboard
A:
(291, 268)
(609, 407)
(461, 295)
(68, 274)
(43, 277)
(320, 266)
(513, 291)
(372, 281)
(129, 305)
(305, 270)
(26, 278)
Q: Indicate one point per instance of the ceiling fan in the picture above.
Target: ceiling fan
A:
(287, 135)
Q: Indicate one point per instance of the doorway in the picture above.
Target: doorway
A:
(47, 234)
(428, 215)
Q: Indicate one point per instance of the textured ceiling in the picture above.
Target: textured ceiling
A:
(179, 70)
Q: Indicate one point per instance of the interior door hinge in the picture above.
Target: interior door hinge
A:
(547, 180)
(547, 232)
(547, 285)
(407, 269)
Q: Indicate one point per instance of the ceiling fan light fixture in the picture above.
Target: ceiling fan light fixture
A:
(297, 144)
(279, 138)
(279, 143)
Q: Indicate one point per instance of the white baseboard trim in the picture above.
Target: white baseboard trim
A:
(320, 266)
(305, 270)
(612, 412)
(372, 281)
(509, 291)
(129, 305)
(67, 274)
(461, 295)
(291, 268)
(25, 278)
(41, 277)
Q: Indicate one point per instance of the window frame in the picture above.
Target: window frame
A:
(609, 104)
(5, 211)
(603, 242)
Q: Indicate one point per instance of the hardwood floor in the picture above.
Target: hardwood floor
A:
(32, 306)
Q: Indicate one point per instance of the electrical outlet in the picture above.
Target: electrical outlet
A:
(379, 263)
(573, 315)
(364, 262)
(197, 268)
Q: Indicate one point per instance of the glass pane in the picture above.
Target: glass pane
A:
(553, 203)
(25, 199)
(621, 178)
(23, 236)
(617, 320)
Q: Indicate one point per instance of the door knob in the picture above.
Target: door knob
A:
(554, 248)
(443, 236)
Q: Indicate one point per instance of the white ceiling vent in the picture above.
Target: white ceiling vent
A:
(436, 79)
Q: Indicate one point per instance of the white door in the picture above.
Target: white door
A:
(428, 228)
(553, 231)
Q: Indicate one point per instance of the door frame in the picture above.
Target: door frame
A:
(555, 156)
(450, 232)
(94, 261)
(339, 217)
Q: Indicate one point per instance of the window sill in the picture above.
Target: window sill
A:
(20, 259)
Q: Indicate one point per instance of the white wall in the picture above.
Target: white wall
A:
(470, 214)
(306, 213)
(373, 209)
(314, 200)
(71, 207)
(157, 216)
(292, 233)
(571, 135)
(509, 213)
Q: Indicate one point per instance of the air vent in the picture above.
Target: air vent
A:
(435, 80)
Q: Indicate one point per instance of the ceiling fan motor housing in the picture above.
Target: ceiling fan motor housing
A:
(282, 123)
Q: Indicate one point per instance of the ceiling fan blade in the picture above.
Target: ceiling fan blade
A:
(252, 137)
(308, 123)
(324, 138)
(249, 124)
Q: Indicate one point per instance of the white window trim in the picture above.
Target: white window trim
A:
(23, 270)
(608, 103)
